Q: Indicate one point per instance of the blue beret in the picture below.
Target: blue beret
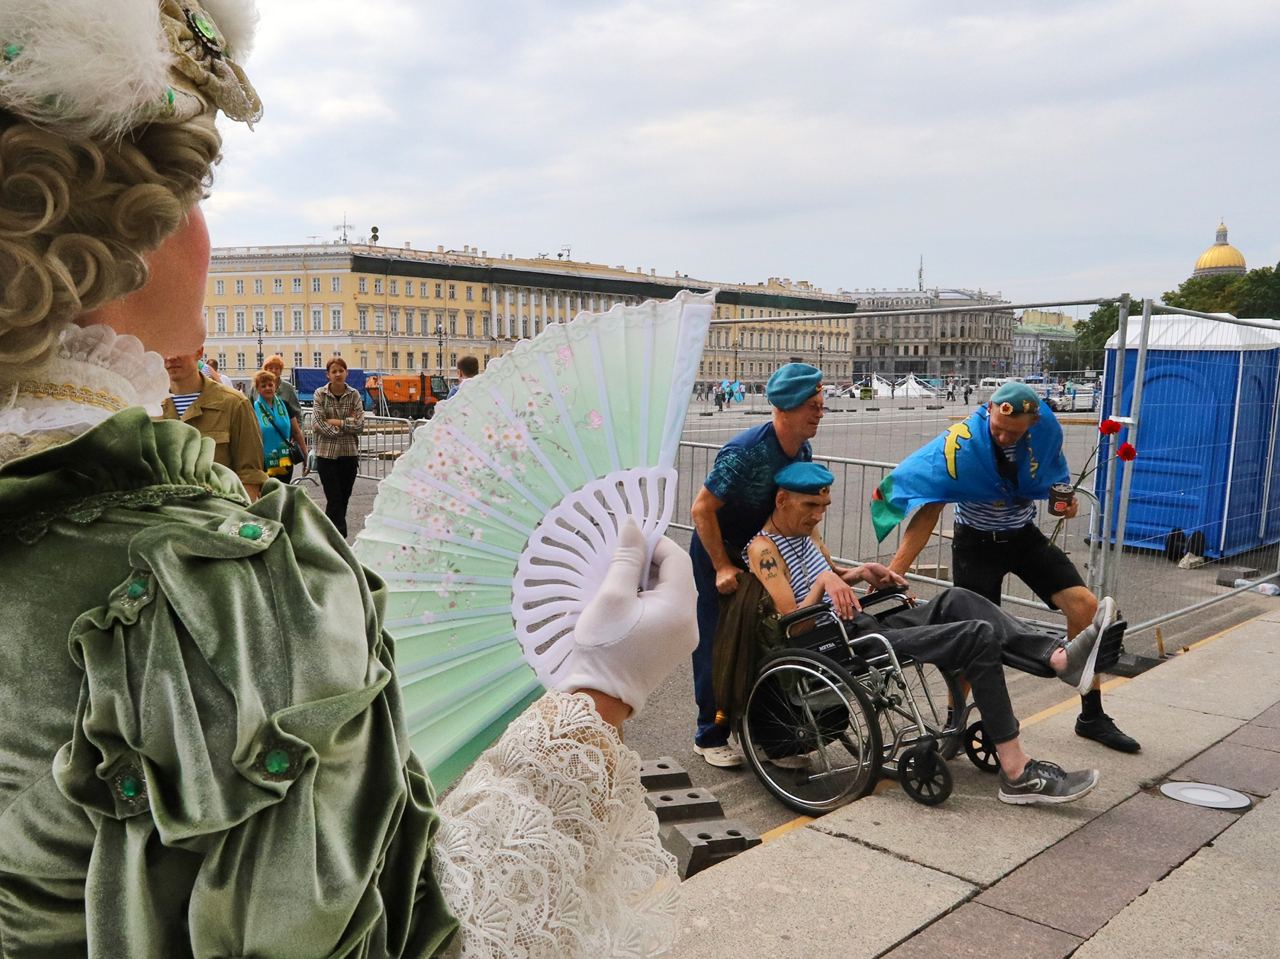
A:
(1019, 397)
(792, 384)
(804, 478)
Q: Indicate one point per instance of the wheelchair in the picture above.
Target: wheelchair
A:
(828, 715)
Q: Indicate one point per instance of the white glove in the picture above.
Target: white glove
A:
(626, 641)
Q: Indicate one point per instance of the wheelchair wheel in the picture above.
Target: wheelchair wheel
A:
(939, 696)
(924, 775)
(809, 732)
(980, 752)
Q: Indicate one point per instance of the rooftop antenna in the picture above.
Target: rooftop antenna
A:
(565, 253)
(920, 274)
(344, 226)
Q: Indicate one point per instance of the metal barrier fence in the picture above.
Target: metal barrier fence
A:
(384, 440)
(1198, 396)
(847, 529)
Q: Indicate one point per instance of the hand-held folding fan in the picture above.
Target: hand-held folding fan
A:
(496, 528)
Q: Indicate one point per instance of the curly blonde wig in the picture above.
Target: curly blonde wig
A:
(78, 215)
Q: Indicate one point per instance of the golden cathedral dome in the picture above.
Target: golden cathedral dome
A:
(1220, 258)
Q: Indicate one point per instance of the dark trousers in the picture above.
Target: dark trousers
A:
(704, 580)
(338, 477)
(962, 632)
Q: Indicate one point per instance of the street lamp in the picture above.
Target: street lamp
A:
(259, 327)
(819, 351)
(440, 345)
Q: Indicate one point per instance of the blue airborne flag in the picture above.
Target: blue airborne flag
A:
(960, 466)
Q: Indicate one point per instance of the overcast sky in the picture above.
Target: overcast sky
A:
(1045, 150)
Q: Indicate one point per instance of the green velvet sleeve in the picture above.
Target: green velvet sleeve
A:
(240, 749)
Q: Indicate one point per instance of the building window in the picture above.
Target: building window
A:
(297, 358)
(317, 360)
(257, 286)
(297, 284)
(335, 319)
(363, 319)
(422, 289)
(395, 359)
(439, 290)
(239, 321)
(395, 289)
(470, 291)
(297, 321)
(240, 287)
(395, 320)
(317, 319)
(364, 359)
(315, 284)
(471, 322)
(277, 285)
(335, 284)
(484, 324)
(362, 285)
(240, 361)
(219, 289)
(408, 291)
(277, 321)
(453, 291)
(378, 320)
(453, 323)
(220, 317)
(377, 286)
(408, 317)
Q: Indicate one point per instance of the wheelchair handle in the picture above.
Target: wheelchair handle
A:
(805, 612)
(881, 595)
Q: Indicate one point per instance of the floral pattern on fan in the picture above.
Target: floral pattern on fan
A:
(582, 403)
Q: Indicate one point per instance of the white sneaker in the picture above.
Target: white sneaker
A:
(791, 762)
(1106, 614)
(726, 756)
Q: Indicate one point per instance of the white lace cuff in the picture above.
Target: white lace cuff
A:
(547, 849)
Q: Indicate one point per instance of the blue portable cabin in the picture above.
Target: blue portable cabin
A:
(1207, 448)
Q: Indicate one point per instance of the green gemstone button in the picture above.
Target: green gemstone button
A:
(205, 27)
(251, 531)
(11, 51)
(137, 589)
(277, 762)
(130, 787)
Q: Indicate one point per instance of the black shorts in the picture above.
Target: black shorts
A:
(982, 560)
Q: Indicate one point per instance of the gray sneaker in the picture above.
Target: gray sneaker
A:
(1046, 782)
(1082, 651)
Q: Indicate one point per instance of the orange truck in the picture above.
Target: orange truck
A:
(412, 395)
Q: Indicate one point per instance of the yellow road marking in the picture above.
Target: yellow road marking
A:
(785, 828)
(1066, 704)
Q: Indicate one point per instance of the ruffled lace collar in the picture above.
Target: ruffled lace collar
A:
(94, 374)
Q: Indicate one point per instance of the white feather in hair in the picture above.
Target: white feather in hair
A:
(237, 19)
(87, 65)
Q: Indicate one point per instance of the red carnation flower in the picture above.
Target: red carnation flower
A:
(1109, 427)
(1127, 452)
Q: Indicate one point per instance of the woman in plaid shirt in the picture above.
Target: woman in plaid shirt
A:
(338, 420)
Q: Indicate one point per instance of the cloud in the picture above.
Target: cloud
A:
(1038, 149)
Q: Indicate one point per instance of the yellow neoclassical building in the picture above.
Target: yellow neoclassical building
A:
(1221, 258)
(400, 309)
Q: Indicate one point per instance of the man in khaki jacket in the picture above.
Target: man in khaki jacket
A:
(220, 413)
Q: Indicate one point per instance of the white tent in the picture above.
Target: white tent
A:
(910, 386)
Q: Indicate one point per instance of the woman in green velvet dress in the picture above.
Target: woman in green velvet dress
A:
(202, 749)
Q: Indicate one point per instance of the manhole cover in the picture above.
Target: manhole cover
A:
(1206, 794)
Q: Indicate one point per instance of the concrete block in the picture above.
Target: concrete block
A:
(810, 896)
(1227, 575)
(1250, 770)
(1122, 853)
(702, 843)
(956, 836)
(934, 407)
(977, 932)
(663, 773)
(1218, 905)
(685, 803)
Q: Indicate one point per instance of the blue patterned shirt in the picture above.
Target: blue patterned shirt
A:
(743, 478)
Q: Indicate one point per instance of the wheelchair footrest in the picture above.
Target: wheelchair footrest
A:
(1111, 646)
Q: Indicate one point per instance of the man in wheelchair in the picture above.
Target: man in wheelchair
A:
(958, 631)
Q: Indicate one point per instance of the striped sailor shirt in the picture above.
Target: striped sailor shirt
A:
(805, 562)
(997, 515)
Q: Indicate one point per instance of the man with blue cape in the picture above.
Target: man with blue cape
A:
(994, 465)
